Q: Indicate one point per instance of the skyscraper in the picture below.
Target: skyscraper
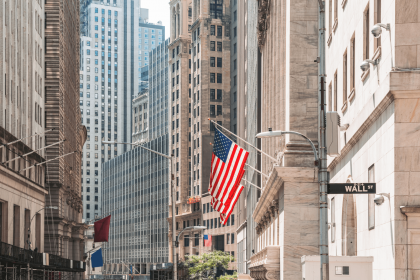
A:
(136, 183)
(200, 69)
(64, 228)
(115, 46)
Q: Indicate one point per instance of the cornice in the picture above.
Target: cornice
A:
(22, 179)
(397, 85)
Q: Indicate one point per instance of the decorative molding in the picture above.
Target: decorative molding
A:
(352, 95)
(265, 265)
(329, 39)
(343, 3)
(344, 108)
(263, 21)
(386, 101)
(335, 25)
(377, 53)
(365, 74)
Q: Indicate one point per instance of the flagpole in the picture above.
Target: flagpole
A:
(242, 140)
(36, 164)
(252, 184)
(19, 140)
(27, 154)
(265, 175)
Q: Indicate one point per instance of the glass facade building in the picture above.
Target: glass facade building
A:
(112, 53)
(135, 185)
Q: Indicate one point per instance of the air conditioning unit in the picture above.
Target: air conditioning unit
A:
(340, 267)
(333, 134)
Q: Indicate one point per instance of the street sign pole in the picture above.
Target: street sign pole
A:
(322, 146)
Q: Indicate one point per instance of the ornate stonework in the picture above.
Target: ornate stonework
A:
(265, 265)
(263, 21)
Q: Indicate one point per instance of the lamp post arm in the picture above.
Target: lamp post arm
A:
(307, 139)
(150, 150)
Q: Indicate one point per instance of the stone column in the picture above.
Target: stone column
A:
(299, 218)
(409, 260)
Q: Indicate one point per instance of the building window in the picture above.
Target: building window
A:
(219, 110)
(330, 94)
(212, 110)
(219, 31)
(366, 32)
(345, 78)
(219, 78)
(216, 8)
(335, 91)
(212, 94)
(219, 94)
(212, 62)
(212, 46)
(352, 64)
(234, 48)
(335, 12)
(219, 62)
(234, 32)
(219, 46)
(212, 30)
(378, 19)
(212, 78)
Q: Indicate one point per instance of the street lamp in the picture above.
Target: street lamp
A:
(29, 228)
(171, 158)
(279, 133)
(177, 239)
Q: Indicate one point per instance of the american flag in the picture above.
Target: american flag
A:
(226, 210)
(227, 169)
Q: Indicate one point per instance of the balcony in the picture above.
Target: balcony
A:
(265, 265)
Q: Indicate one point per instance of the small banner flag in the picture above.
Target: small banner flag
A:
(102, 229)
(207, 240)
(96, 259)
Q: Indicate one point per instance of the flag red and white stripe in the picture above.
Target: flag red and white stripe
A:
(227, 170)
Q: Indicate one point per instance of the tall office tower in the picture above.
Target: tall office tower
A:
(246, 98)
(136, 184)
(115, 48)
(84, 4)
(200, 90)
(180, 116)
(211, 91)
(64, 227)
(22, 100)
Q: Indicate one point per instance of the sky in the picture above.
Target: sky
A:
(158, 10)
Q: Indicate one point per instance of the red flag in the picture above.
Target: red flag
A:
(102, 229)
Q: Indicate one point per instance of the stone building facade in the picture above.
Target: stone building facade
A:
(64, 227)
(200, 66)
(139, 116)
(246, 100)
(22, 98)
(287, 213)
(180, 115)
(381, 143)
